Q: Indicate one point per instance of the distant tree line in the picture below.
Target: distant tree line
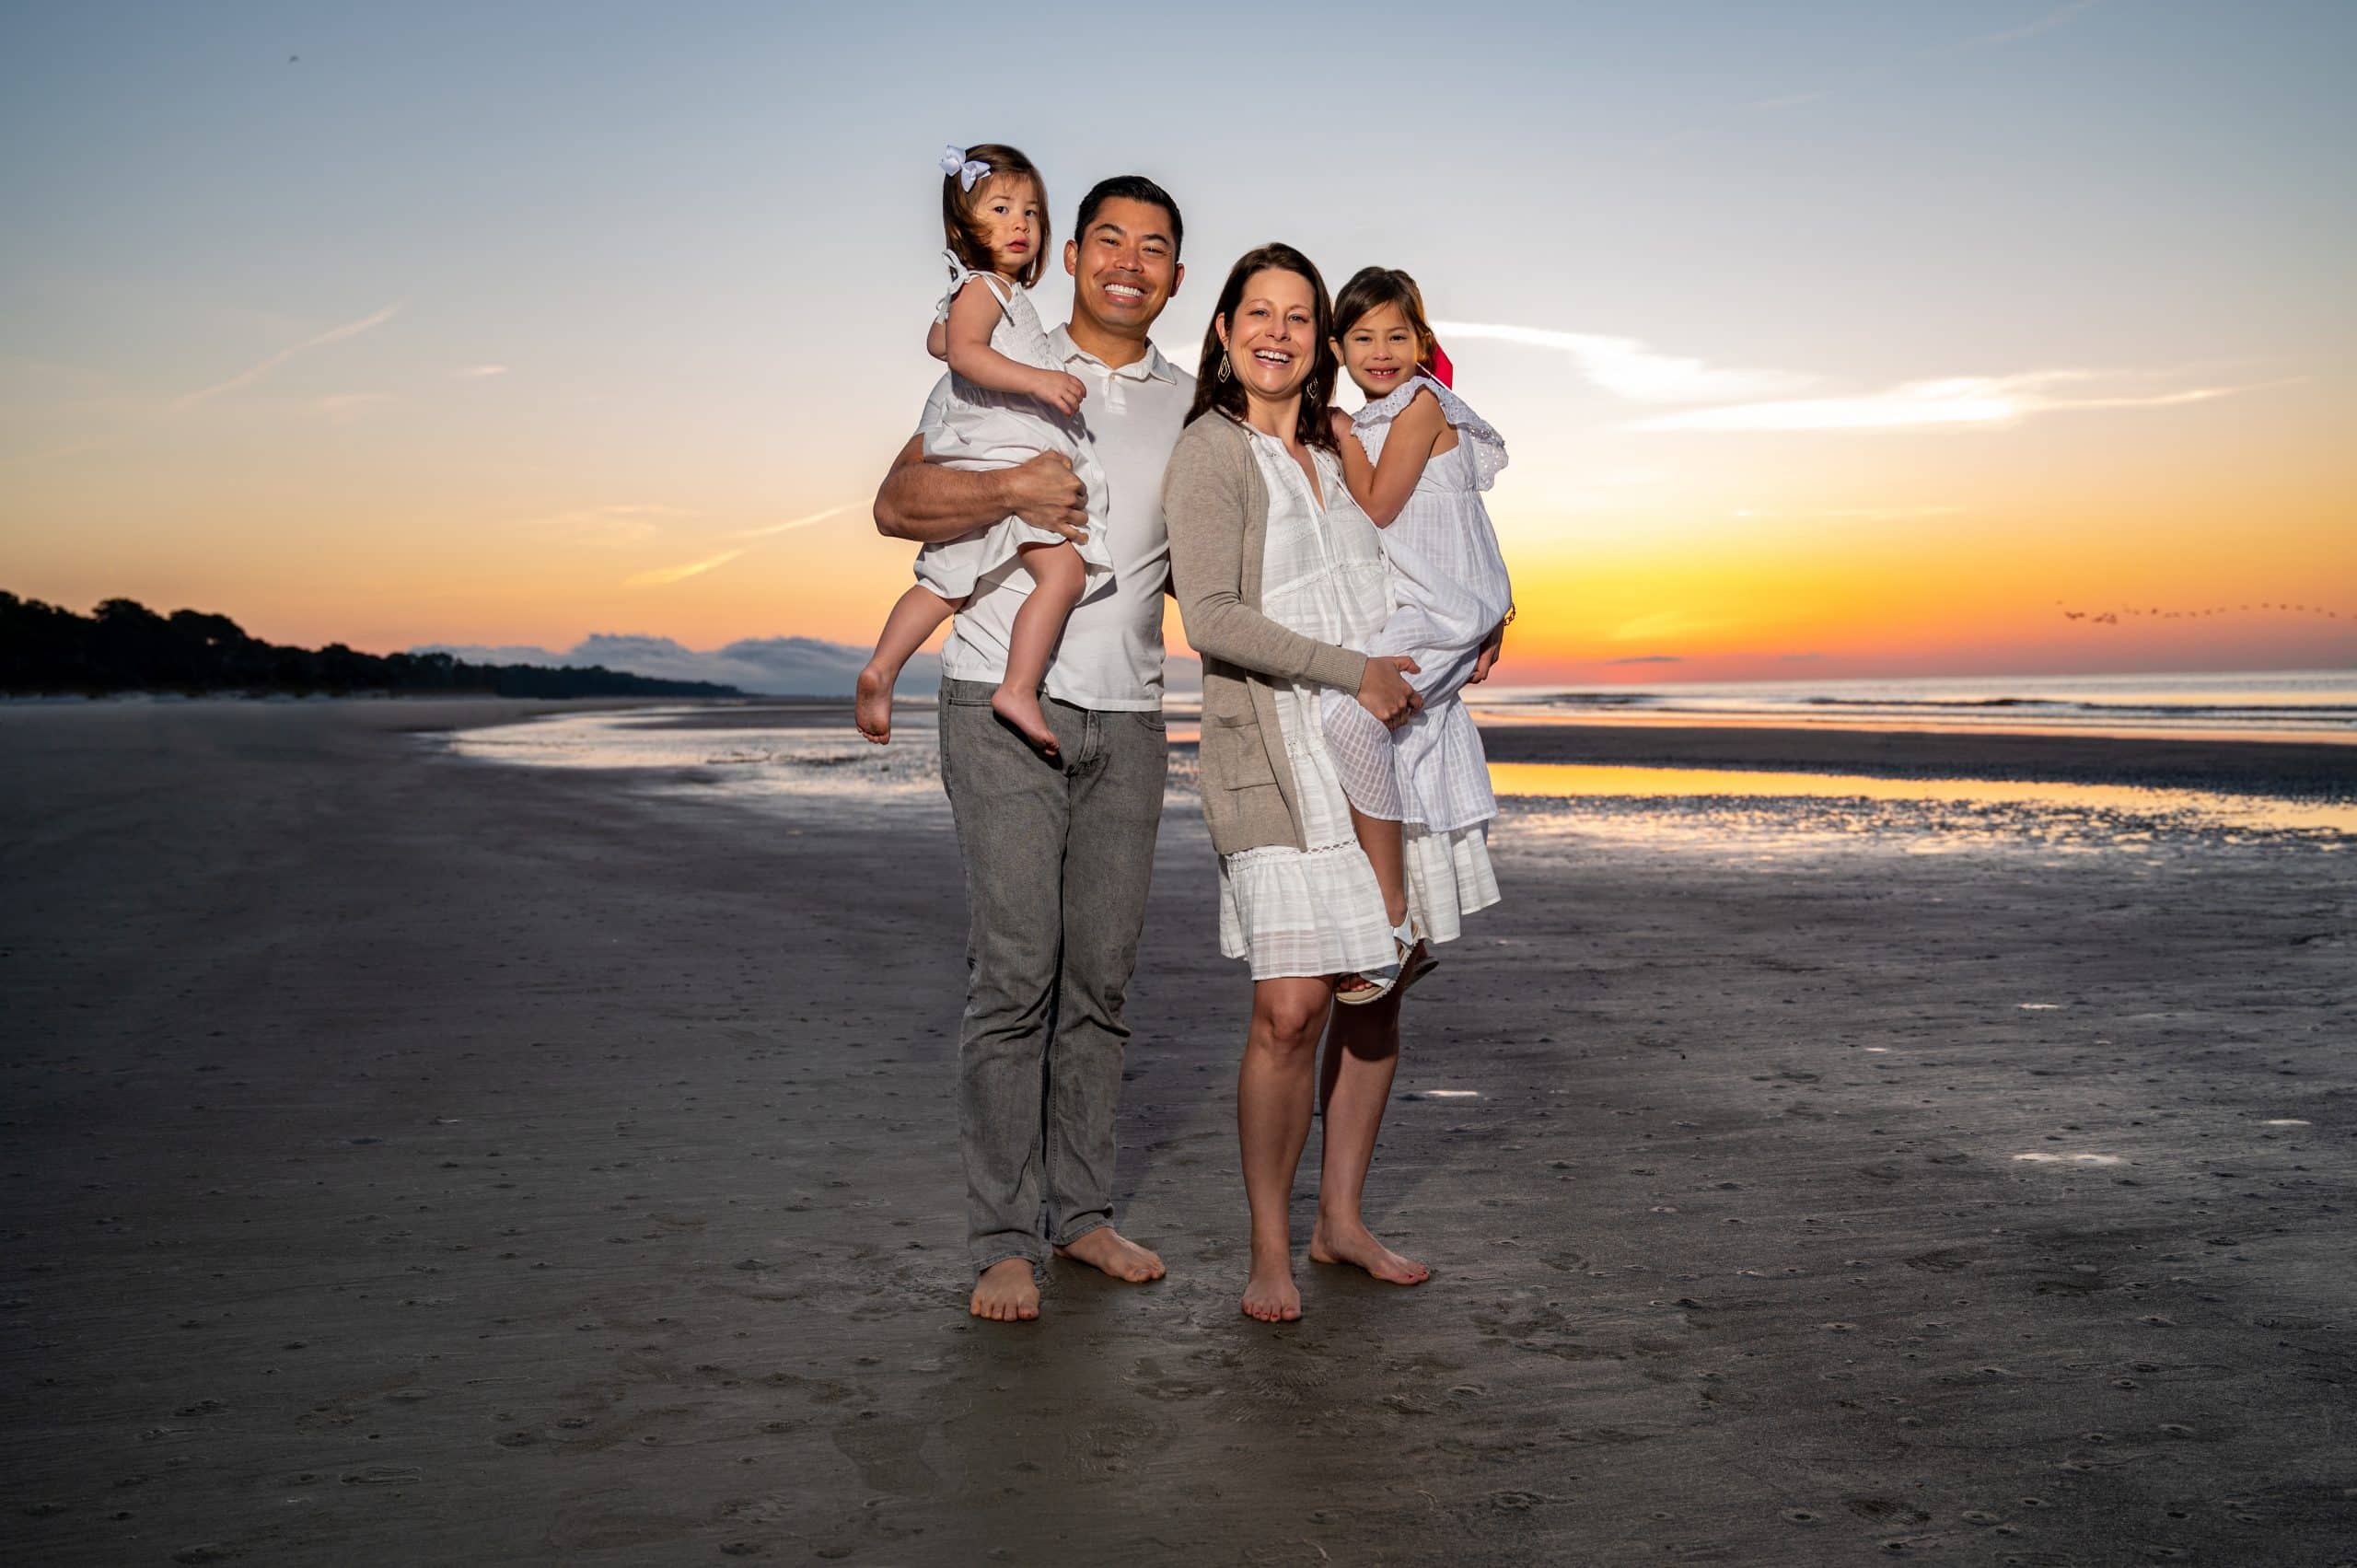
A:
(122, 645)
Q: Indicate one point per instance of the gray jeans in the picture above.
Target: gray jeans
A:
(1058, 858)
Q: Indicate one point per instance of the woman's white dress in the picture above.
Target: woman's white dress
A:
(1449, 591)
(981, 428)
(1317, 910)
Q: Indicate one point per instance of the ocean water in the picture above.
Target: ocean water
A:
(812, 779)
(2282, 705)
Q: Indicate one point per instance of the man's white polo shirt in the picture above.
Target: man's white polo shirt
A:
(1111, 654)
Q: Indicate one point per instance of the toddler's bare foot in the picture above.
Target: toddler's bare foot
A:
(1007, 1293)
(1116, 1254)
(1354, 1243)
(1021, 709)
(1270, 1295)
(871, 706)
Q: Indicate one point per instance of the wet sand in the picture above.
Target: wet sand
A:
(413, 1160)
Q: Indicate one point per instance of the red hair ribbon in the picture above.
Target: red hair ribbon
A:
(1443, 372)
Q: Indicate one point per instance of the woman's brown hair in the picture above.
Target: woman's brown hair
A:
(1372, 288)
(1216, 389)
(959, 227)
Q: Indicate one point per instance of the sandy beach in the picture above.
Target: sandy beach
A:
(415, 1159)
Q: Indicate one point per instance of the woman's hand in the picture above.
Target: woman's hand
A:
(1061, 390)
(1385, 692)
(1492, 645)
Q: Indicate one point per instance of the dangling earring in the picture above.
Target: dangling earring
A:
(1222, 366)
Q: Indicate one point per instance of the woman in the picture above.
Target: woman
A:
(1278, 574)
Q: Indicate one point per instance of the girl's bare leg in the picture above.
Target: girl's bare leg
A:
(1057, 577)
(1276, 1091)
(1379, 836)
(1354, 1084)
(917, 615)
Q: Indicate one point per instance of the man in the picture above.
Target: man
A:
(1058, 852)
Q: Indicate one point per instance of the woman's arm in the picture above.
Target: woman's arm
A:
(1382, 489)
(1203, 505)
(973, 315)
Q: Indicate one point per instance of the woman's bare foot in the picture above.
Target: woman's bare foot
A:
(1021, 709)
(871, 705)
(1108, 1250)
(1007, 1293)
(1270, 1295)
(1356, 1245)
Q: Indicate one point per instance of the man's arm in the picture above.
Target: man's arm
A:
(930, 504)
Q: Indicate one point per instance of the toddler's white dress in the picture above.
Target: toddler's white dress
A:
(981, 428)
(1449, 591)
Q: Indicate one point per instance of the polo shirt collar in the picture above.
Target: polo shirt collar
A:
(1152, 365)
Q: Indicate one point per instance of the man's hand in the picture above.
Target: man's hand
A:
(1385, 692)
(1061, 390)
(1045, 493)
(1492, 645)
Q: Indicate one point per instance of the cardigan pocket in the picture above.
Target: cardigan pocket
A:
(1239, 780)
(1235, 754)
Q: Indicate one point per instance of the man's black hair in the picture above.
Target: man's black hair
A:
(1130, 188)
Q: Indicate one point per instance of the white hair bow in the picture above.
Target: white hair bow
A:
(955, 161)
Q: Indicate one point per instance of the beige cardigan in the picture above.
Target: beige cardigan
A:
(1216, 505)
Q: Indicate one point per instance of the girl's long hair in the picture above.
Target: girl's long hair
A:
(1226, 394)
(964, 235)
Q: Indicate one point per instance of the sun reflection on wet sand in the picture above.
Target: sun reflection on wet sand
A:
(1774, 817)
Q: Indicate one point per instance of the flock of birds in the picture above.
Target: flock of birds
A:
(2114, 617)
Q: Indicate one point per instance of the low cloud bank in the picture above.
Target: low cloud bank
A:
(769, 666)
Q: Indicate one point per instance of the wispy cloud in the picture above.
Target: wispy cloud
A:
(1997, 39)
(247, 376)
(1850, 514)
(606, 526)
(71, 450)
(1957, 403)
(1633, 369)
(480, 372)
(2045, 23)
(662, 575)
(793, 523)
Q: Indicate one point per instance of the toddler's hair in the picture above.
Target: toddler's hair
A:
(964, 234)
(1372, 288)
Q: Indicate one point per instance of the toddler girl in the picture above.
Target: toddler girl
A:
(1416, 458)
(1009, 400)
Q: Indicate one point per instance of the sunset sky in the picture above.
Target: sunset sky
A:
(1828, 339)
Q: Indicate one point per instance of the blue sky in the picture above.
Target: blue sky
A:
(574, 293)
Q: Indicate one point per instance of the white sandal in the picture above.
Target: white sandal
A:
(1382, 981)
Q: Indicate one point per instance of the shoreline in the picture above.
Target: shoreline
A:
(415, 1160)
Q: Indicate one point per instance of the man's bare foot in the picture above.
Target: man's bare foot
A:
(1021, 709)
(1116, 1254)
(871, 705)
(1356, 1245)
(1007, 1293)
(1270, 1295)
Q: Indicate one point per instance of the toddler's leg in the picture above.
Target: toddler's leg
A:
(1365, 762)
(1380, 837)
(1057, 575)
(918, 614)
